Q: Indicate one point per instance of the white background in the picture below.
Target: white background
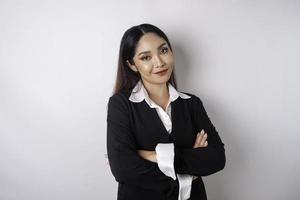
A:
(58, 64)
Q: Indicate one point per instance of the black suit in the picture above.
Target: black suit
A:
(132, 126)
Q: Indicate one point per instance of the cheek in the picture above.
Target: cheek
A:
(146, 68)
(169, 59)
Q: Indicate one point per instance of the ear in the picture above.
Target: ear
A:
(132, 67)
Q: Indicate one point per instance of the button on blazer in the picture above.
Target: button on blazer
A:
(133, 126)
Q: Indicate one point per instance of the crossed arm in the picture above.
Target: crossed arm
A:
(200, 141)
(139, 167)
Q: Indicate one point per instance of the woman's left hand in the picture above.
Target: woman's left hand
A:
(148, 155)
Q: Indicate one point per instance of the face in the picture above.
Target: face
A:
(153, 55)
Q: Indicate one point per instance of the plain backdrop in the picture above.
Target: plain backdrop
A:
(58, 62)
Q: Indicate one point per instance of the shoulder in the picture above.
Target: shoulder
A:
(118, 108)
(119, 101)
(121, 96)
(194, 99)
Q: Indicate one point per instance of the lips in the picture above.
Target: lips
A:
(161, 71)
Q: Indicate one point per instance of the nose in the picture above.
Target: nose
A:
(159, 61)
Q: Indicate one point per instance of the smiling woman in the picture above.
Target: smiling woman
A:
(159, 141)
(157, 54)
(155, 65)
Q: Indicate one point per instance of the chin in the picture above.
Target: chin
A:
(159, 80)
(162, 80)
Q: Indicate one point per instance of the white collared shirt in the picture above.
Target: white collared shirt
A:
(165, 152)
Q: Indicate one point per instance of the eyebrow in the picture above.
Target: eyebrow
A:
(149, 51)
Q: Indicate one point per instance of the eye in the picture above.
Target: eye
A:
(145, 58)
(164, 49)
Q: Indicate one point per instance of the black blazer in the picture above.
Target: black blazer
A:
(132, 126)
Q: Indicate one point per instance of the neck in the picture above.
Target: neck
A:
(156, 90)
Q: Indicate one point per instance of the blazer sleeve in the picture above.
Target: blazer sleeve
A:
(201, 161)
(125, 163)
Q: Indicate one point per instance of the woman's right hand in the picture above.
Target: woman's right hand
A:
(201, 139)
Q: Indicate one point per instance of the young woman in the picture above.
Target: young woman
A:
(159, 141)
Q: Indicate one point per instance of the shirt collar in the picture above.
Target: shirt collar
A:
(139, 93)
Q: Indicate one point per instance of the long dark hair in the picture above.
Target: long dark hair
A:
(127, 78)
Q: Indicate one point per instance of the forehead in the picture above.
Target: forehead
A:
(148, 42)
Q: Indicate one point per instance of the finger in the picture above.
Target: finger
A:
(206, 144)
(202, 131)
(203, 140)
(198, 139)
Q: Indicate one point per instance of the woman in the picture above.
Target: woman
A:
(159, 141)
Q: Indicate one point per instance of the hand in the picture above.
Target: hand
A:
(200, 142)
(148, 155)
(201, 139)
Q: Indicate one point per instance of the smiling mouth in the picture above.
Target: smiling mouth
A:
(161, 71)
